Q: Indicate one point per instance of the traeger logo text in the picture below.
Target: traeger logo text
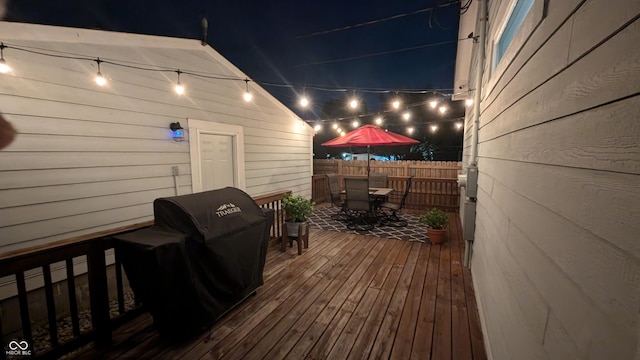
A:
(226, 209)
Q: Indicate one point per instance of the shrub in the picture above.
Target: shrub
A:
(297, 208)
(435, 219)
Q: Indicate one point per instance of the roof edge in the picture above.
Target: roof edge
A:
(37, 32)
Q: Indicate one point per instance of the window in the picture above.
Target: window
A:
(516, 18)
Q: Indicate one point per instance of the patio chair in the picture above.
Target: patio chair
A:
(392, 219)
(358, 204)
(336, 199)
(378, 180)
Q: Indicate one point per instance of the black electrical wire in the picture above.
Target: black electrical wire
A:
(371, 22)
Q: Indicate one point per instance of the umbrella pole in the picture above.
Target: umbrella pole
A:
(368, 161)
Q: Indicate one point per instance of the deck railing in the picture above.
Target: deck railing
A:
(425, 193)
(95, 247)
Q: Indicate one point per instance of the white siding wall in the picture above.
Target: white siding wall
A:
(89, 158)
(556, 260)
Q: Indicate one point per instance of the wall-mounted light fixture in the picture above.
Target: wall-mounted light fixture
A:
(176, 131)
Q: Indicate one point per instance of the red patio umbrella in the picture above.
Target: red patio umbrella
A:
(370, 135)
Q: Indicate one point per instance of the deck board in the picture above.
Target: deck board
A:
(347, 296)
(366, 338)
(408, 322)
(442, 327)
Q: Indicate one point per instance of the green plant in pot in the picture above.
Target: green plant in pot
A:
(436, 221)
(297, 211)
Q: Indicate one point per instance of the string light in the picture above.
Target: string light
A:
(434, 128)
(179, 88)
(396, 102)
(410, 130)
(458, 125)
(355, 123)
(4, 68)
(247, 95)
(436, 98)
(100, 80)
(149, 67)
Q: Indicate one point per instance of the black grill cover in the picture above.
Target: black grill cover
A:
(205, 253)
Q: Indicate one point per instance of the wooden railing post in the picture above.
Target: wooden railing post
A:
(99, 297)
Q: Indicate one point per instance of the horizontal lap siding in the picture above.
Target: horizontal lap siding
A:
(89, 158)
(556, 258)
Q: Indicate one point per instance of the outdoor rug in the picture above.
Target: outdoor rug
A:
(414, 231)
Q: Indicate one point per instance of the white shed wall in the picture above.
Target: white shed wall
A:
(556, 257)
(89, 158)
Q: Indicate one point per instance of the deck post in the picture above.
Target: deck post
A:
(99, 296)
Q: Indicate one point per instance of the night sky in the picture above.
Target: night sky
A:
(291, 42)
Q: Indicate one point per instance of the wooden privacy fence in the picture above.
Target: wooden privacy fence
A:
(418, 169)
(425, 193)
(434, 183)
(93, 248)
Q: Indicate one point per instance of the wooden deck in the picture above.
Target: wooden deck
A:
(346, 297)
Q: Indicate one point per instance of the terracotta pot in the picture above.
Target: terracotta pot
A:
(437, 236)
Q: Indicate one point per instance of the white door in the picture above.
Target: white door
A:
(216, 161)
(216, 152)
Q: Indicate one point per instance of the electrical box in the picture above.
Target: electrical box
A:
(469, 223)
(472, 181)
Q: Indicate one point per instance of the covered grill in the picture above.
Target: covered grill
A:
(205, 254)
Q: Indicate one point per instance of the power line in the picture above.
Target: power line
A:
(371, 22)
(381, 53)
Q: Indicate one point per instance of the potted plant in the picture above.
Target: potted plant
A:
(297, 211)
(436, 221)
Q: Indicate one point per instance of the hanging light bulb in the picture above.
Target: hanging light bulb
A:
(410, 130)
(353, 103)
(406, 116)
(317, 128)
(396, 103)
(433, 103)
(468, 102)
(335, 125)
(304, 101)
(247, 95)
(442, 109)
(342, 133)
(458, 125)
(100, 80)
(4, 68)
(379, 120)
(434, 128)
(355, 123)
(179, 88)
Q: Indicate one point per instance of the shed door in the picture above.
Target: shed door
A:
(216, 161)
